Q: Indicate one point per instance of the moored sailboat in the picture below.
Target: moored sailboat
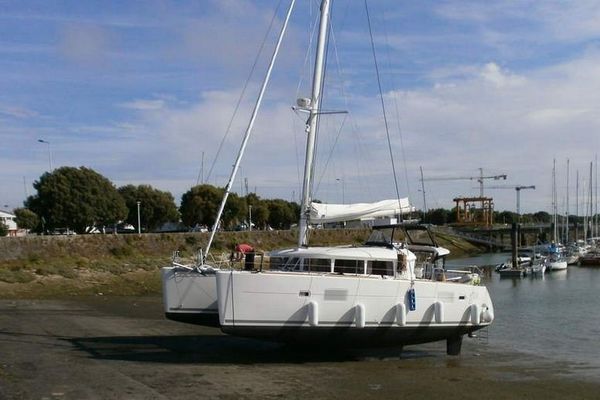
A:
(386, 292)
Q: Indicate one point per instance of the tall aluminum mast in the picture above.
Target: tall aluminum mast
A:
(312, 123)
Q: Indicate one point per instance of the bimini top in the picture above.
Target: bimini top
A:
(343, 253)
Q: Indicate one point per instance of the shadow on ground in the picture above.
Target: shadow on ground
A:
(219, 349)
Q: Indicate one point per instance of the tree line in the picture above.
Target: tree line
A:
(442, 216)
(81, 198)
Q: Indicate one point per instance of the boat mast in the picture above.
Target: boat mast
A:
(577, 207)
(596, 196)
(312, 123)
(566, 235)
(591, 217)
(238, 160)
(554, 208)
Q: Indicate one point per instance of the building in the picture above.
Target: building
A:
(8, 219)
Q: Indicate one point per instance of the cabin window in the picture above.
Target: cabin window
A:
(380, 268)
(348, 266)
(381, 236)
(423, 258)
(317, 264)
(285, 263)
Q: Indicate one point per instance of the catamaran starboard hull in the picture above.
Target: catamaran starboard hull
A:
(347, 310)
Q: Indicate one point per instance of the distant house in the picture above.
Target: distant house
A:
(8, 219)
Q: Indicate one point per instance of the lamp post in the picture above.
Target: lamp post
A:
(139, 225)
(49, 153)
(250, 217)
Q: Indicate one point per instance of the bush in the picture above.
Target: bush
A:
(123, 251)
(18, 276)
(191, 240)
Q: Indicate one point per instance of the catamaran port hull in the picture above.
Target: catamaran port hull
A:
(190, 296)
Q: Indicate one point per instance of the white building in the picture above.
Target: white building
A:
(8, 219)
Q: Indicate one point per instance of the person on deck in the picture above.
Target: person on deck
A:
(244, 251)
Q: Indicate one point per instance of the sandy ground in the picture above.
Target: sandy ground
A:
(122, 348)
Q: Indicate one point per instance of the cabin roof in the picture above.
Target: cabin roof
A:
(342, 252)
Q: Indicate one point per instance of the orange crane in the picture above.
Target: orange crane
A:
(464, 208)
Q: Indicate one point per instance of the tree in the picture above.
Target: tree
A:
(260, 211)
(76, 198)
(542, 216)
(281, 213)
(506, 217)
(156, 206)
(235, 211)
(3, 229)
(260, 215)
(437, 216)
(26, 219)
(199, 205)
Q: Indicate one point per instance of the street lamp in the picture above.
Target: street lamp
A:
(49, 153)
(139, 225)
(250, 217)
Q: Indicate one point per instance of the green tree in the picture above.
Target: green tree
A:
(3, 229)
(260, 215)
(281, 213)
(26, 218)
(506, 217)
(542, 216)
(437, 216)
(200, 204)
(156, 206)
(76, 198)
(260, 211)
(235, 211)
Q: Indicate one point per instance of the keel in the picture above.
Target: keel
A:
(453, 345)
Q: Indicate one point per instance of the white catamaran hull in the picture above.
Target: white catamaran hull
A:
(190, 296)
(348, 310)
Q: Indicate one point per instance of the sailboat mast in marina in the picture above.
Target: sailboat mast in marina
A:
(313, 107)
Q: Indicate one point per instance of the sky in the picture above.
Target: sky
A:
(145, 92)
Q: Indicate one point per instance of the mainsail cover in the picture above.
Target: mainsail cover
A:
(323, 213)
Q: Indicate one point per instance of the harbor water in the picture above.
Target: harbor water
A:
(555, 316)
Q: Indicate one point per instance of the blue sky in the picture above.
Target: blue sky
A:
(139, 90)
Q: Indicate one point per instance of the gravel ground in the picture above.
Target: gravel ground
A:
(122, 348)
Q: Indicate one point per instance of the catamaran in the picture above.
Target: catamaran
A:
(391, 291)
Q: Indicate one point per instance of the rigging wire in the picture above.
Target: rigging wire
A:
(387, 131)
(239, 101)
(339, 132)
(396, 108)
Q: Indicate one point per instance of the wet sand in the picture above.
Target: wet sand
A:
(122, 348)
